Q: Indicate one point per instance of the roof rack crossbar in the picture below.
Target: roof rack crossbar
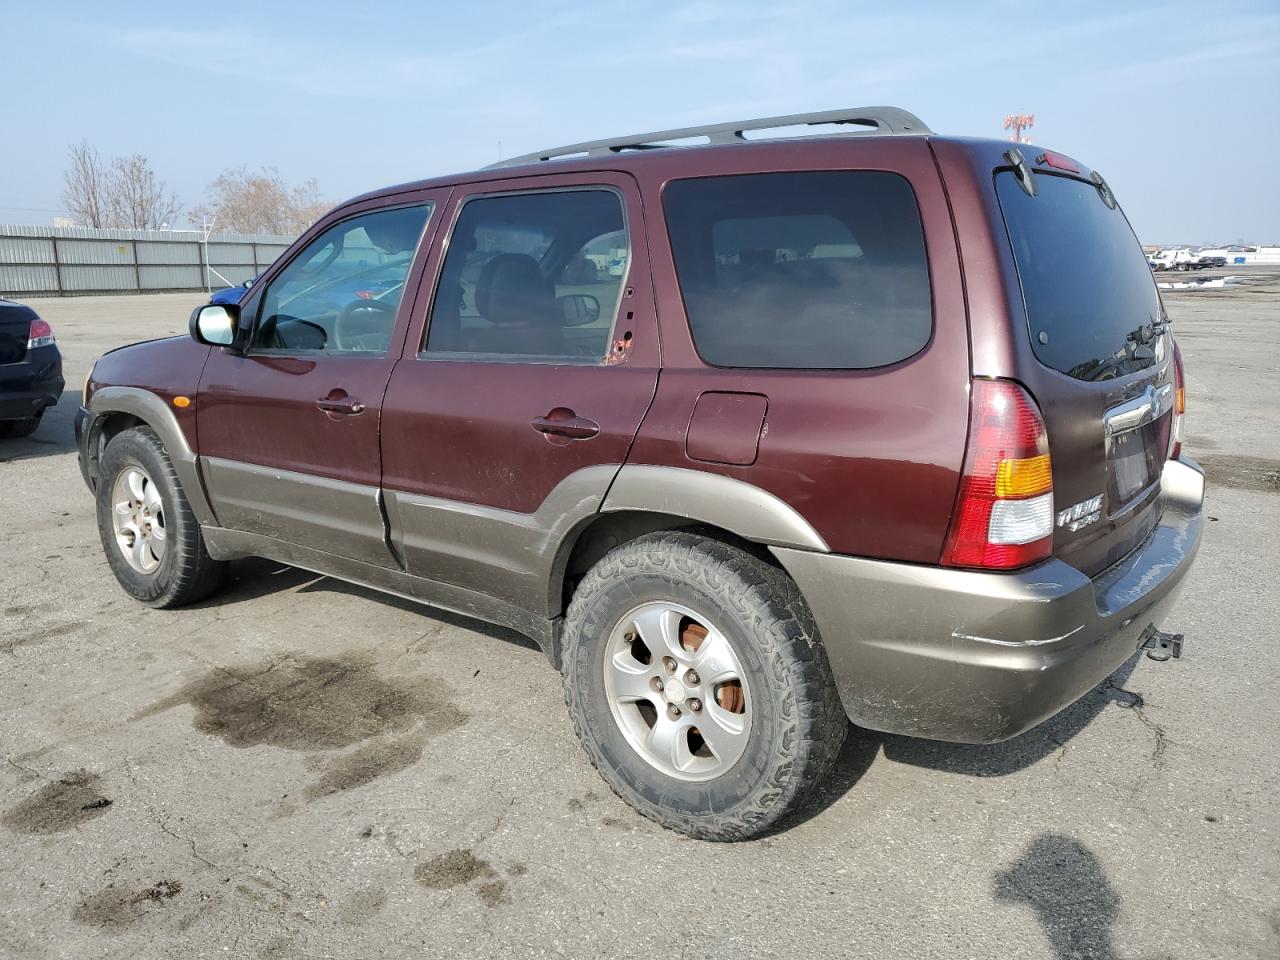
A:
(874, 121)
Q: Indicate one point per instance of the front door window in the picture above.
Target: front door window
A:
(340, 295)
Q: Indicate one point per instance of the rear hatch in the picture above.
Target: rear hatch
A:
(1104, 371)
(15, 327)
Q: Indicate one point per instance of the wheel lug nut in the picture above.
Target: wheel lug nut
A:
(695, 704)
(669, 663)
(692, 678)
(656, 684)
(673, 712)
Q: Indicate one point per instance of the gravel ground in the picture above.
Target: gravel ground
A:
(414, 787)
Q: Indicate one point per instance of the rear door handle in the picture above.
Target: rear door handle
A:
(576, 428)
(344, 405)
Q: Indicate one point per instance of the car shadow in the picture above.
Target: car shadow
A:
(1063, 883)
(55, 435)
(862, 746)
(1011, 756)
(254, 577)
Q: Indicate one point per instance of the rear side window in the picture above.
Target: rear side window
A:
(1088, 289)
(821, 270)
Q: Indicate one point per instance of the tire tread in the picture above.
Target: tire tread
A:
(771, 609)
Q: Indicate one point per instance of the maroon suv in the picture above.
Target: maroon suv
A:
(751, 436)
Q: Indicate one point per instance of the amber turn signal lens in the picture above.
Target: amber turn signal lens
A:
(182, 401)
(1024, 478)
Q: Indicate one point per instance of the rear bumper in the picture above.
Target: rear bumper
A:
(975, 657)
(30, 386)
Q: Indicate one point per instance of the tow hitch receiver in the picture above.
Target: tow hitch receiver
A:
(1161, 646)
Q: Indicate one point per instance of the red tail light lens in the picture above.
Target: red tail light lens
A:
(1004, 513)
(40, 335)
(1179, 404)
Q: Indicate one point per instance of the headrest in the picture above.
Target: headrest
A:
(512, 290)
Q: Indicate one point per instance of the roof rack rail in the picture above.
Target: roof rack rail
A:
(875, 121)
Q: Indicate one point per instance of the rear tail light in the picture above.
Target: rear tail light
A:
(41, 334)
(1004, 513)
(1179, 404)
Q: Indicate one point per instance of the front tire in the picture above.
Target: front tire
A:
(698, 685)
(152, 539)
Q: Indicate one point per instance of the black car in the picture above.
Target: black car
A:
(1204, 262)
(30, 370)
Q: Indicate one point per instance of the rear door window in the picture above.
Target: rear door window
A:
(532, 276)
(1092, 305)
(822, 270)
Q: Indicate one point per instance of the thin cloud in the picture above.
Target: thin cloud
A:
(322, 69)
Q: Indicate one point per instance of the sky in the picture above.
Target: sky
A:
(1176, 104)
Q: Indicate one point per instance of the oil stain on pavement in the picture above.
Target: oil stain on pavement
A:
(460, 867)
(118, 907)
(368, 763)
(304, 703)
(60, 805)
(322, 704)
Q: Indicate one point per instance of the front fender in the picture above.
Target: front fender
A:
(156, 413)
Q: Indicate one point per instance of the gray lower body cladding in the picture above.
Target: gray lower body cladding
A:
(974, 657)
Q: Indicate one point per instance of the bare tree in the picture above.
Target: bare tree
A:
(84, 185)
(136, 197)
(261, 202)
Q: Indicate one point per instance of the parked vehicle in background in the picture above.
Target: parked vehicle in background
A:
(902, 445)
(1181, 259)
(1211, 262)
(229, 295)
(30, 370)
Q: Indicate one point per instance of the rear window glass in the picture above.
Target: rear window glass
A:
(823, 270)
(1085, 281)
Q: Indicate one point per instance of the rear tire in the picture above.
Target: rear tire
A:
(749, 621)
(152, 539)
(17, 429)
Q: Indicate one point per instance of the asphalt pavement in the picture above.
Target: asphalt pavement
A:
(415, 788)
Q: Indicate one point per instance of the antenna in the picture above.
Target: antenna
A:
(1016, 123)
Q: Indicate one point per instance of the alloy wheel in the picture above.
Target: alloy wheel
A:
(137, 516)
(677, 691)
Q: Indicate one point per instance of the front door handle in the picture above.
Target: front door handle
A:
(570, 425)
(348, 406)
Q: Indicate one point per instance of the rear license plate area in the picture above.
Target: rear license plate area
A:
(1132, 463)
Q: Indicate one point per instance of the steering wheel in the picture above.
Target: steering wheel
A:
(268, 334)
(364, 325)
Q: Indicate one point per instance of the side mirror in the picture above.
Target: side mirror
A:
(580, 309)
(215, 324)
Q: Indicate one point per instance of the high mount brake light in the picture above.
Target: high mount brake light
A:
(1058, 162)
(1179, 404)
(1003, 517)
(40, 334)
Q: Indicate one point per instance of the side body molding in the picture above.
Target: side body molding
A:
(733, 505)
(155, 412)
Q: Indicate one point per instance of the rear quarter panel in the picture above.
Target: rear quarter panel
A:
(871, 458)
